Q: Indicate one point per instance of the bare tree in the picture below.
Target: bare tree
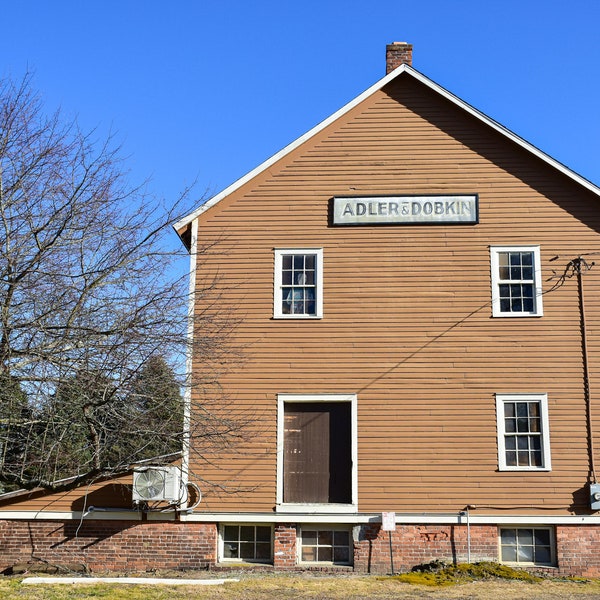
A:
(90, 290)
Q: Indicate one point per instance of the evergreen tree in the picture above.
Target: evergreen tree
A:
(73, 438)
(15, 423)
(156, 401)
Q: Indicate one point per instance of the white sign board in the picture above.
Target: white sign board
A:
(405, 210)
(388, 521)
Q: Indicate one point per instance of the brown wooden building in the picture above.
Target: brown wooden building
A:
(418, 332)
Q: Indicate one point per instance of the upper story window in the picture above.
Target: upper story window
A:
(523, 432)
(298, 283)
(516, 281)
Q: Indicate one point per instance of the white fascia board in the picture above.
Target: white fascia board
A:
(93, 515)
(346, 108)
(457, 518)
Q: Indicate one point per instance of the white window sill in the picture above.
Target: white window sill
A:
(516, 315)
(302, 317)
(524, 469)
(528, 565)
(235, 562)
(317, 508)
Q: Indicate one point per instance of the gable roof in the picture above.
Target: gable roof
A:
(409, 71)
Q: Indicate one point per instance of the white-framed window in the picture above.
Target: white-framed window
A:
(516, 281)
(298, 292)
(331, 544)
(317, 453)
(527, 546)
(523, 432)
(246, 543)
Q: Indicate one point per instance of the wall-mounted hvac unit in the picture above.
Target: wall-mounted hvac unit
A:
(154, 484)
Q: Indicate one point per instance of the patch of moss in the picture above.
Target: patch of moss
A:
(431, 579)
(440, 574)
(492, 570)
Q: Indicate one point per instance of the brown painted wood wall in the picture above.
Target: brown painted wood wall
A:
(407, 320)
(114, 493)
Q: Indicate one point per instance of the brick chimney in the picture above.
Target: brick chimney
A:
(396, 54)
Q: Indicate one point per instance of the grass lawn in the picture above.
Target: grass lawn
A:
(322, 587)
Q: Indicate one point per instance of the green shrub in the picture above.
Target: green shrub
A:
(439, 574)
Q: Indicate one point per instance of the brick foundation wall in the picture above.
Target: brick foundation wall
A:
(419, 544)
(131, 546)
(120, 546)
(284, 547)
(576, 548)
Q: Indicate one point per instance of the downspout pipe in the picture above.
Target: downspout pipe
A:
(579, 263)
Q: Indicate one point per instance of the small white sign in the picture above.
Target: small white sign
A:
(388, 521)
(405, 210)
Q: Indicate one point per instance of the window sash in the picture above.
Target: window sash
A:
(298, 283)
(516, 281)
(251, 543)
(527, 545)
(523, 432)
(325, 545)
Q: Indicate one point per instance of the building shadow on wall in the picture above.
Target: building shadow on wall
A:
(111, 495)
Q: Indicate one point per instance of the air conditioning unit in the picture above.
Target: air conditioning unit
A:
(154, 484)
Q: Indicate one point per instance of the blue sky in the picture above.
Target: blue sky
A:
(206, 90)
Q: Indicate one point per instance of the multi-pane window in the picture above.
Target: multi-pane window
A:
(326, 545)
(523, 439)
(516, 290)
(247, 542)
(298, 283)
(526, 545)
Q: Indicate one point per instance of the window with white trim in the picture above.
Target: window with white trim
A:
(248, 543)
(523, 432)
(323, 544)
(317, 453)
(298, 279)
(516, 281)
(527, 546)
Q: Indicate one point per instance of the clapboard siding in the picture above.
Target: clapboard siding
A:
(407, 320)
(114, 493)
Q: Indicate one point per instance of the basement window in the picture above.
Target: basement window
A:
(527, 546)
(247, 543)
(326, 545)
